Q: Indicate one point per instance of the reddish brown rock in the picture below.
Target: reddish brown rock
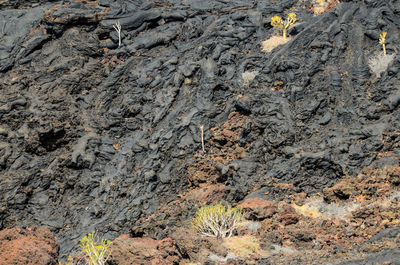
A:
(288, 215)
(36, 246)
(394, 175)
(258, 209)
(126, 250)
(340, 191)
(207, 194)
(196, 248)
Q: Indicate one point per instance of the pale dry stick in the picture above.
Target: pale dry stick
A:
(202, 137)
(117, 27)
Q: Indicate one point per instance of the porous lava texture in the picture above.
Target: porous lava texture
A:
(32, 246)
(97, 136)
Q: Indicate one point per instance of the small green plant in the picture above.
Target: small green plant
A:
(96, 249)
(277, 22)
(217, 220)
(68, 262)
(382, 41)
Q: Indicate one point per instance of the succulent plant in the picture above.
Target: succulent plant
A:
(95, 249)
(277, 22)
(217, 220)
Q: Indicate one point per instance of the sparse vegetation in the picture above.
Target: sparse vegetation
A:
(379, 63)
(243, 246)
(217, 220)
(248, 77)
(96, 249)
(68, 262)
(274, 41)
(271, 43)
(277, 22)
(117, 28)
(202, 138)
(382, 40)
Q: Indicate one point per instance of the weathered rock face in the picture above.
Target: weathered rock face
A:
(126, 250)
(35, 246)
(98, 137)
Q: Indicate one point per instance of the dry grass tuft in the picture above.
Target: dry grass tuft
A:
(244, 246)
(248, 76)
(318, 208)
(271, 43)
(378, 64)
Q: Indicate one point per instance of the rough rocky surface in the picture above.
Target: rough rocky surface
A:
(99, 137)
(33, 246)
(129, 251)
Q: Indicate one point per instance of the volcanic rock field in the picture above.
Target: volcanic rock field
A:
(97, 136)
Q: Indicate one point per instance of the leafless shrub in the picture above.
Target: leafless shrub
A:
(117, 28)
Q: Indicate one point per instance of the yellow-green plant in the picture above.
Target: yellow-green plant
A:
(68, 262)
(382, 40)
(217, 220)
(277, 22)
(96, 250)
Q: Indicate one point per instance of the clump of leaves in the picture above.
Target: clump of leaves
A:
(277, 22)
(96, 250)
(217, 220)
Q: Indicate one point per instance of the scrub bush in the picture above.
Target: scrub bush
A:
(277, 22)
(217, 220)
(95, 249)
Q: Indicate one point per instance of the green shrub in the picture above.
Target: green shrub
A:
(96, 249)
(277, 22)
(217, 220)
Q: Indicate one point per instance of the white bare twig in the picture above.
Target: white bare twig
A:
(202, 137)
(117, 28)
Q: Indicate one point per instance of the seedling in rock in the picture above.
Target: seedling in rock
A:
(277, 22)
(202, 137)
(117, 28)
(382, 40)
